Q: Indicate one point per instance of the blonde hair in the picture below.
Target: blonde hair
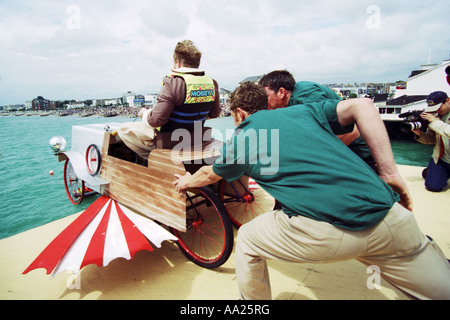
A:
(188, 54)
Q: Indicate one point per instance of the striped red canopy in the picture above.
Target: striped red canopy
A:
(103, 232)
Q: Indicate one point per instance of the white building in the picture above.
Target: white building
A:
(112, 102)
(432, 78)
(347, 90)
(224, 96)
(98, 102)
(418, 87)
(139, 101)
(130, 100)
(150, 99)
(75, 105)
(125, 97)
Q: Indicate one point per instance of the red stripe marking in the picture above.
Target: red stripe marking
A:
(136, 241)
(94, 252)
(55, 251)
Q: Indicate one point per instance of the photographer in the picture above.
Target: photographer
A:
(438, 133)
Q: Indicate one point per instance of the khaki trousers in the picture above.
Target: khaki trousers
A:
(138, 137)
(406, 258)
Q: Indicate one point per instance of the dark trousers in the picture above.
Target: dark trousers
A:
(438, 175)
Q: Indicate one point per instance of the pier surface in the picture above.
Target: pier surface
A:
(165, 274)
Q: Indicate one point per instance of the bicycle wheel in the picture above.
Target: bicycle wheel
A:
(74, 186)
(244, 202)
(208, 240)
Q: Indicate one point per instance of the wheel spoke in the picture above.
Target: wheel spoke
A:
(208, 240)
(74, 186)
(244, 204)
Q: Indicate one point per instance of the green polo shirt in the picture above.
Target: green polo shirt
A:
(294, 154)
(308, 92)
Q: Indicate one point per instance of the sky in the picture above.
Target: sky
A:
(81, 50)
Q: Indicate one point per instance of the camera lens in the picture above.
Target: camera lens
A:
(406, 127)
(416, 125)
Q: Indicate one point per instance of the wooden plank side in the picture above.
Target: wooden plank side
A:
(208, 150)
(136, 175)
(161, 194)
(131, 185)
(106, 142)
(148, 190)
(173, 216)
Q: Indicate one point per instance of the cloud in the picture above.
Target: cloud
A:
(120, 45)
(164, 18)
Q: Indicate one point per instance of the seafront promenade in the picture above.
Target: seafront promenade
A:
(165, 274)
(88, 112)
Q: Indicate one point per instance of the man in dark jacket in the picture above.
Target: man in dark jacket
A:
(188, 96)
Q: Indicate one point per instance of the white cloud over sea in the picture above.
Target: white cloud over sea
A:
(101, 49)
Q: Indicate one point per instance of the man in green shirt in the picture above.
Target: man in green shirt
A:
(283, 91)
(333, 207)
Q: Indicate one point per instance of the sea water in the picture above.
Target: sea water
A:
(31, 197)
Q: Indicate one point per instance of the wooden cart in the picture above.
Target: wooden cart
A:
(200, 218)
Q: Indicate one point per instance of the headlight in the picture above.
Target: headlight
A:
(57, 144)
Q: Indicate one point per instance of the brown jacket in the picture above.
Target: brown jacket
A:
(173, 93)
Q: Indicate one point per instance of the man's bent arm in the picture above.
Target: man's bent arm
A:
(372, 129)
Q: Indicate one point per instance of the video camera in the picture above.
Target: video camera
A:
(413, 121)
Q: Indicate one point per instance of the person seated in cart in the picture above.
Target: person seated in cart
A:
(188, 96)
(326, 215)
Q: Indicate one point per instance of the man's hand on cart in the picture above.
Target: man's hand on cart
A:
(203, 177)
(182, 182)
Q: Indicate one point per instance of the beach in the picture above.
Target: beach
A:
(105, 112)
(165, 274)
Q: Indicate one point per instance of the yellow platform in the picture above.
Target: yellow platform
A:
(166, 274)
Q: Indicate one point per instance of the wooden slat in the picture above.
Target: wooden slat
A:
(145, 190)
(106, 142)
(206, 151)
(148, 190)
(116, 171)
